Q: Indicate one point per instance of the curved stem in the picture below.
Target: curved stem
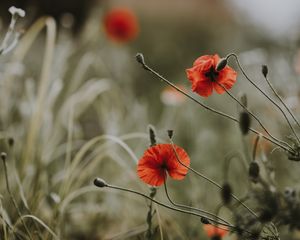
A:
(146, 67)
(193, 208)
(210, 180)
(269, 98)
(253, 115)
(173, 208)
(283, 103)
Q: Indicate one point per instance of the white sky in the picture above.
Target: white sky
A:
(278, 17)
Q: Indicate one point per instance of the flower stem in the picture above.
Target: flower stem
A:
(193, 208)
(146, 67)
(254, 116)
(269, 98)
(210, 180)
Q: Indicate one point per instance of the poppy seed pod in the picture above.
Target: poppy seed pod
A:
(221, 64)
(245, 122)
(99, 182)
(226, 193)
(253, 170)
(264, 70)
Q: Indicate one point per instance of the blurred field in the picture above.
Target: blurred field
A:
(75, 105)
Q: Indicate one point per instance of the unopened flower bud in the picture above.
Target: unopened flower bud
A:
(221, 64)
(11, 142)
(245, 122)
(226, 193)
(140, 58)
(253, 170)
(3, 156)
(243, 99)
(170, 133)
(216, 237)
(264, 70)
(99, 182)
(152, 136)
(204, 220)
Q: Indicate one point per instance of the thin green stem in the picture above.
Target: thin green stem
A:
(254, 116)
(170, 207)
(146, 67)
(193, 208)
(210, 180)
(269, 98)
(283, 103)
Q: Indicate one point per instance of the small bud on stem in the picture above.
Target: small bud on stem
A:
(221, 64)
(264, 70)
(140, 58)
(3, 156)
(245, 121)
(99, 182)
(170, 133)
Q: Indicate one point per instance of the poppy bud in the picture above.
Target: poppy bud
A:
(221, 64)
(140, 58)
(245, 121)
(253, 170)
(226, 193)
(243, 99)
(216, 237)
(99, 182)
(204, 220)
(266, 215)
(264, 70)
(3, 156)
(170, 133)
(10, 142)
(152, 136)
(153, 192)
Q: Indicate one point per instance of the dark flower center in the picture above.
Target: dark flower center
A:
(212, 74)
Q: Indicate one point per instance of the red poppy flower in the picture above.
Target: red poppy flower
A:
(213, 231)
(159, 160)
(205, 77)
(121, 25)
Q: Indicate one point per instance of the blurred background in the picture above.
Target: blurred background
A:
(95, 88)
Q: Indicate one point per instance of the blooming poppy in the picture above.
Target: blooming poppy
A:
(204, 76)
(159, 160)
(121, 25)
(215, 232)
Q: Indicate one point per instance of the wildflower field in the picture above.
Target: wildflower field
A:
(149, 120)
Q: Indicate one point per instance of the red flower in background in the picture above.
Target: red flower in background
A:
(121, 25)
(205, 77)
(215, 232)
(159, 160)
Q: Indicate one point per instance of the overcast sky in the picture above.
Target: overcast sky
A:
(278, 17)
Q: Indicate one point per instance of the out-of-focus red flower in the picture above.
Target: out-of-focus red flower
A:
(204, 76)
(121, 25)
(213, 231)
(159, 160)
(171, 96)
